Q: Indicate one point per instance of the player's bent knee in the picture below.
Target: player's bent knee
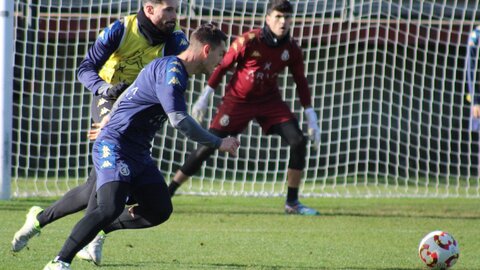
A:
(298, 151)
(161, 215)
(299, 143)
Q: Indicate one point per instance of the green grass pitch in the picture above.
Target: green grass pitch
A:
(253, 233)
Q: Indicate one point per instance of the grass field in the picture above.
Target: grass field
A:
(253, 233)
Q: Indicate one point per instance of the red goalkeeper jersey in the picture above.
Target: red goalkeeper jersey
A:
(257, 68)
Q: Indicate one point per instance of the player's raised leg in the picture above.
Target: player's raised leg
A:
(37, 218)
(29, 229)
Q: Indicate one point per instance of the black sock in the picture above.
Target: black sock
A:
(173, 187)
(292, 195)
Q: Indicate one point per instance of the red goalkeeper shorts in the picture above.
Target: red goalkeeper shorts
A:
(232, 117)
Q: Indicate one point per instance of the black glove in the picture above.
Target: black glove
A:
(112, 92)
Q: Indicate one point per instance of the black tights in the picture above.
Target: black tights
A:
(83, 196)
(74, 200)
(154, 207)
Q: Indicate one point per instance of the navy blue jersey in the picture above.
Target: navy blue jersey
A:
(141, 111)
(472, 64)
(471, 70)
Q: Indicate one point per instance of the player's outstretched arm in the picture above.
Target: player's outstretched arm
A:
(190, 128)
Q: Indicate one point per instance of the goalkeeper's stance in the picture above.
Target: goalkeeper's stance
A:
(252, 93)
(112, 63)
(122, 152)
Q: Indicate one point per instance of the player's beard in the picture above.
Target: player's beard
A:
(167, 27)
(155, 34)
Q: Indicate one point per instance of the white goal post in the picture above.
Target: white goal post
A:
(387, 80)
(6, 60)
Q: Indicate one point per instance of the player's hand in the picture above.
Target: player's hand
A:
(476, 111)
(109, 91)
(313, 128)
(93, 133)
(96, 128)
(230, 145)
(199, 109)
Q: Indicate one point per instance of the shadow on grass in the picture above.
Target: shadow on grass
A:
(279, 212)
(23, 204)
(177, 265)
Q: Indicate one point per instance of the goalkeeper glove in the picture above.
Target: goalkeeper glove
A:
(109, 91)
(313, 129)
(200, 107)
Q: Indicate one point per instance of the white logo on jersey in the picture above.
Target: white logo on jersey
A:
(106, 152)
(285, 55)
(101, 102)
(106, 164)
(225, 120)
(104, 111)
(174, 69)
(174, 81)
(256, 54)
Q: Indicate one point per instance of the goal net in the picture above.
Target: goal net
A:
(387, 81)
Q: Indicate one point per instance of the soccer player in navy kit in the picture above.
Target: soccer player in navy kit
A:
(472, 73)
(253, 93)
(122, 150)
(111, 65)
(471, 70)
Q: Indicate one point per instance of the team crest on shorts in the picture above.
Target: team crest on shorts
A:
(225, 120)
(285, 55)
(124, 170)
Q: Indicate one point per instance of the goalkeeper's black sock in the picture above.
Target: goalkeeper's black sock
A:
(173, 187)
(292, 195)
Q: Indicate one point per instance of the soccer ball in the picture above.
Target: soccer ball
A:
(438, 250)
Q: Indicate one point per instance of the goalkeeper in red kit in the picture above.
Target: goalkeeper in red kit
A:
(253, 93)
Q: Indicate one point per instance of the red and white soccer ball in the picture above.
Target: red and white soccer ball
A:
(439, 250)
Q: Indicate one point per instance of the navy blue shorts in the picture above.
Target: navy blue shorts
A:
(111, 165)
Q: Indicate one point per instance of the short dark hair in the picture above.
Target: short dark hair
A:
(280, 6)
(208, 33)
(152, 1)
